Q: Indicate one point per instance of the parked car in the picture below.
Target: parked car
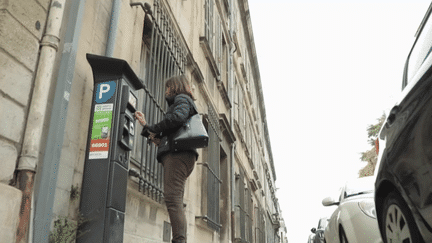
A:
(319, 232)
(403, 188)
(311, 238)
(354, 219)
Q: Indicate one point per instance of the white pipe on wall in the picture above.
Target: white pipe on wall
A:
(43, 80)
(31, 149)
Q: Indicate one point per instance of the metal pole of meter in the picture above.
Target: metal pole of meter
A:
(110, 140)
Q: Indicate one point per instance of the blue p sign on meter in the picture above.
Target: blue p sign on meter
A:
(105, 91)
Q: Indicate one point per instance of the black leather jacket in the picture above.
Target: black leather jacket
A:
(181, 107)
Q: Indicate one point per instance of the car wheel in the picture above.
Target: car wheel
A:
(343, 238)
(398, 223)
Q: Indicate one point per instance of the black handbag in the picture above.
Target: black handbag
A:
(191, 135)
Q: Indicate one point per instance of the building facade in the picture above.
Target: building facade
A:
(46, 89)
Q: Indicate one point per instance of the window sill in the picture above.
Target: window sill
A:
(210, 58)
(224, 94)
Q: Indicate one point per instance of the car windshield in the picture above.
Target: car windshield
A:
(322, 223)
(360, 186)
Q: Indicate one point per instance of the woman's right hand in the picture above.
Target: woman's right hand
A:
(140, 117)
(154, 140)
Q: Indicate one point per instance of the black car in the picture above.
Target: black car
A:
(319, 232)
(403, 188)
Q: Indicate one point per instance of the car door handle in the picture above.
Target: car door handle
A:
(392, 116)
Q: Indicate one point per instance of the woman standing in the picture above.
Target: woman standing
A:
(178, 165)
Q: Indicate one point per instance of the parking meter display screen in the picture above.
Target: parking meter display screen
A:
(132, 100)
(101, 131)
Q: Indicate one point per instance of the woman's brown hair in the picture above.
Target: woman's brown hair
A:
(179, 85)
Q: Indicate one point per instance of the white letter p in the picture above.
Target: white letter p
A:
(104, 88)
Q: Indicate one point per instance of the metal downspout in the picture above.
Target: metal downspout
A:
(112, 35)
(233, 145)
(231, 88)
(45, 192)
(33, 134)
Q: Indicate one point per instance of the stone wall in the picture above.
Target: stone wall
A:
(21, 27)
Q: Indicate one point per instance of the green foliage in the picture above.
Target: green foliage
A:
(363, 156)
(373, 130)
(366, 171)
(370, 156)
(64, 231)
(67, 230)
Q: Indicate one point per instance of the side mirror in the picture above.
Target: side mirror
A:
(313, 230)
(329, 201)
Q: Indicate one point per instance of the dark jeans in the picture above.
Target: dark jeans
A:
(177, 168)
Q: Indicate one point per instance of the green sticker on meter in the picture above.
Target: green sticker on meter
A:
(101, 130)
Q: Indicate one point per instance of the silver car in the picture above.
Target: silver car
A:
(319, 232)
(311, 238)
(354, 219)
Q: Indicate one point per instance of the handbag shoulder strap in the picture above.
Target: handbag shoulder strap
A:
(191, 102)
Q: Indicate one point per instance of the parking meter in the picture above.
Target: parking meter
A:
(110, 140)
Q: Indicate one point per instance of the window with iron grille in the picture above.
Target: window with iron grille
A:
(249, 219)
(241, 110)
(218, 43)
(253, 152)
(246, 65)
(227, 5)
(162, 56)
(270, 230)
(208, 22)
(234, 15)
(239, 212)
(213, 171)
(243, 231)
(236, 101)
(211, 42)
(260, 225)
(250, 133)
(224, 69)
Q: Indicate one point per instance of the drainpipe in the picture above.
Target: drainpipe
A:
(33, 135)
(49, 47)
(233, 145)
(112, 35)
